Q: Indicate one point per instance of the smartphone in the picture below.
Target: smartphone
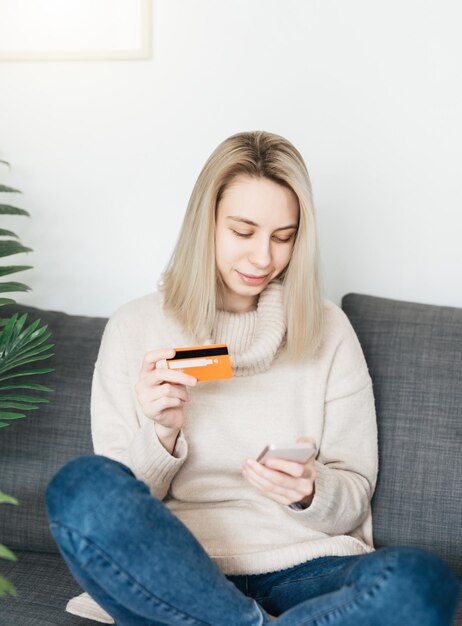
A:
(298, 452)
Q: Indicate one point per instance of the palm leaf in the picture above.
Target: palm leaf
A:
(19, 346)
(12, 286)
(5, 553)
(6, 189)
(36, 335)
(7, 587)
(31, 353)
(5, 498)
(11, 269)
(31, 350)
(7, 233)
(27, 385)
(30, 345)
(24, 361)
(22, 406)
(11, 337)
(29, 373)
(29, 358)
(7, 209)
(8, 248)
(11, 416)
(7, 333)
(12, 343)
(19, 324)
(19, 398)
(32, 341)
(22, 337)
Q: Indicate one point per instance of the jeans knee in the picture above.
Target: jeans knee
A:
(419, 565)
(425, 579)
(76, 482)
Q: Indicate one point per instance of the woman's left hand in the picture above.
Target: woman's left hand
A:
(284, 481)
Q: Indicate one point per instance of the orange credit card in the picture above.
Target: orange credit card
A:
(202, 362)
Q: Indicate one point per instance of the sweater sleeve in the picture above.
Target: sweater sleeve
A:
(347, 460)
(115, 427)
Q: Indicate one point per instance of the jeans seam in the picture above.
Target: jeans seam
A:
(291, 582)
(114, 565)
(359, 596)
(314, 576)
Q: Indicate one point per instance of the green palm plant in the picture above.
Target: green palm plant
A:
(20, 345)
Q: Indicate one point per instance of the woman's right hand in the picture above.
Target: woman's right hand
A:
(162, 392)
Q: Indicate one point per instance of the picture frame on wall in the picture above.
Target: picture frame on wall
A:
(54, 30)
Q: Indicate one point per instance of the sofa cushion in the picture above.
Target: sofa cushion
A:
(33, 448)
(414, 355)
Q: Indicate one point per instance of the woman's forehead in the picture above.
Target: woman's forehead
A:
(257, 198)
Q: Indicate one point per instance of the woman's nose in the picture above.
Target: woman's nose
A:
(261, 254)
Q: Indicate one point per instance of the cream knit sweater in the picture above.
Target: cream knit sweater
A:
(269, 399)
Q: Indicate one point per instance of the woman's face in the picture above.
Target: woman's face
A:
(255, 231)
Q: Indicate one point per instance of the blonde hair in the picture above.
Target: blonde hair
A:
(191, 284)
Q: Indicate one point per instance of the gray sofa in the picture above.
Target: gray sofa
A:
(414, 354)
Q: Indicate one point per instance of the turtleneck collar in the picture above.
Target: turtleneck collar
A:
(254, 338)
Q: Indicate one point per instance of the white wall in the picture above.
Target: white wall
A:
(107, 153)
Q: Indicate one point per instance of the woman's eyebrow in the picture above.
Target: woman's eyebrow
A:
(237, 218)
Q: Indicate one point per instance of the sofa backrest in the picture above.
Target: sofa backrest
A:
(33, 448)
(414, 355)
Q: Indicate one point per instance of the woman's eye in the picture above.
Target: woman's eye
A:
(245, 235)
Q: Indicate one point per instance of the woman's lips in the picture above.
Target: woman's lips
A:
(248, 280)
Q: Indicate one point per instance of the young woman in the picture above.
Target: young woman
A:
(172, 521)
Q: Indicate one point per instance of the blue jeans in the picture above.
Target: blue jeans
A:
(145, 568)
